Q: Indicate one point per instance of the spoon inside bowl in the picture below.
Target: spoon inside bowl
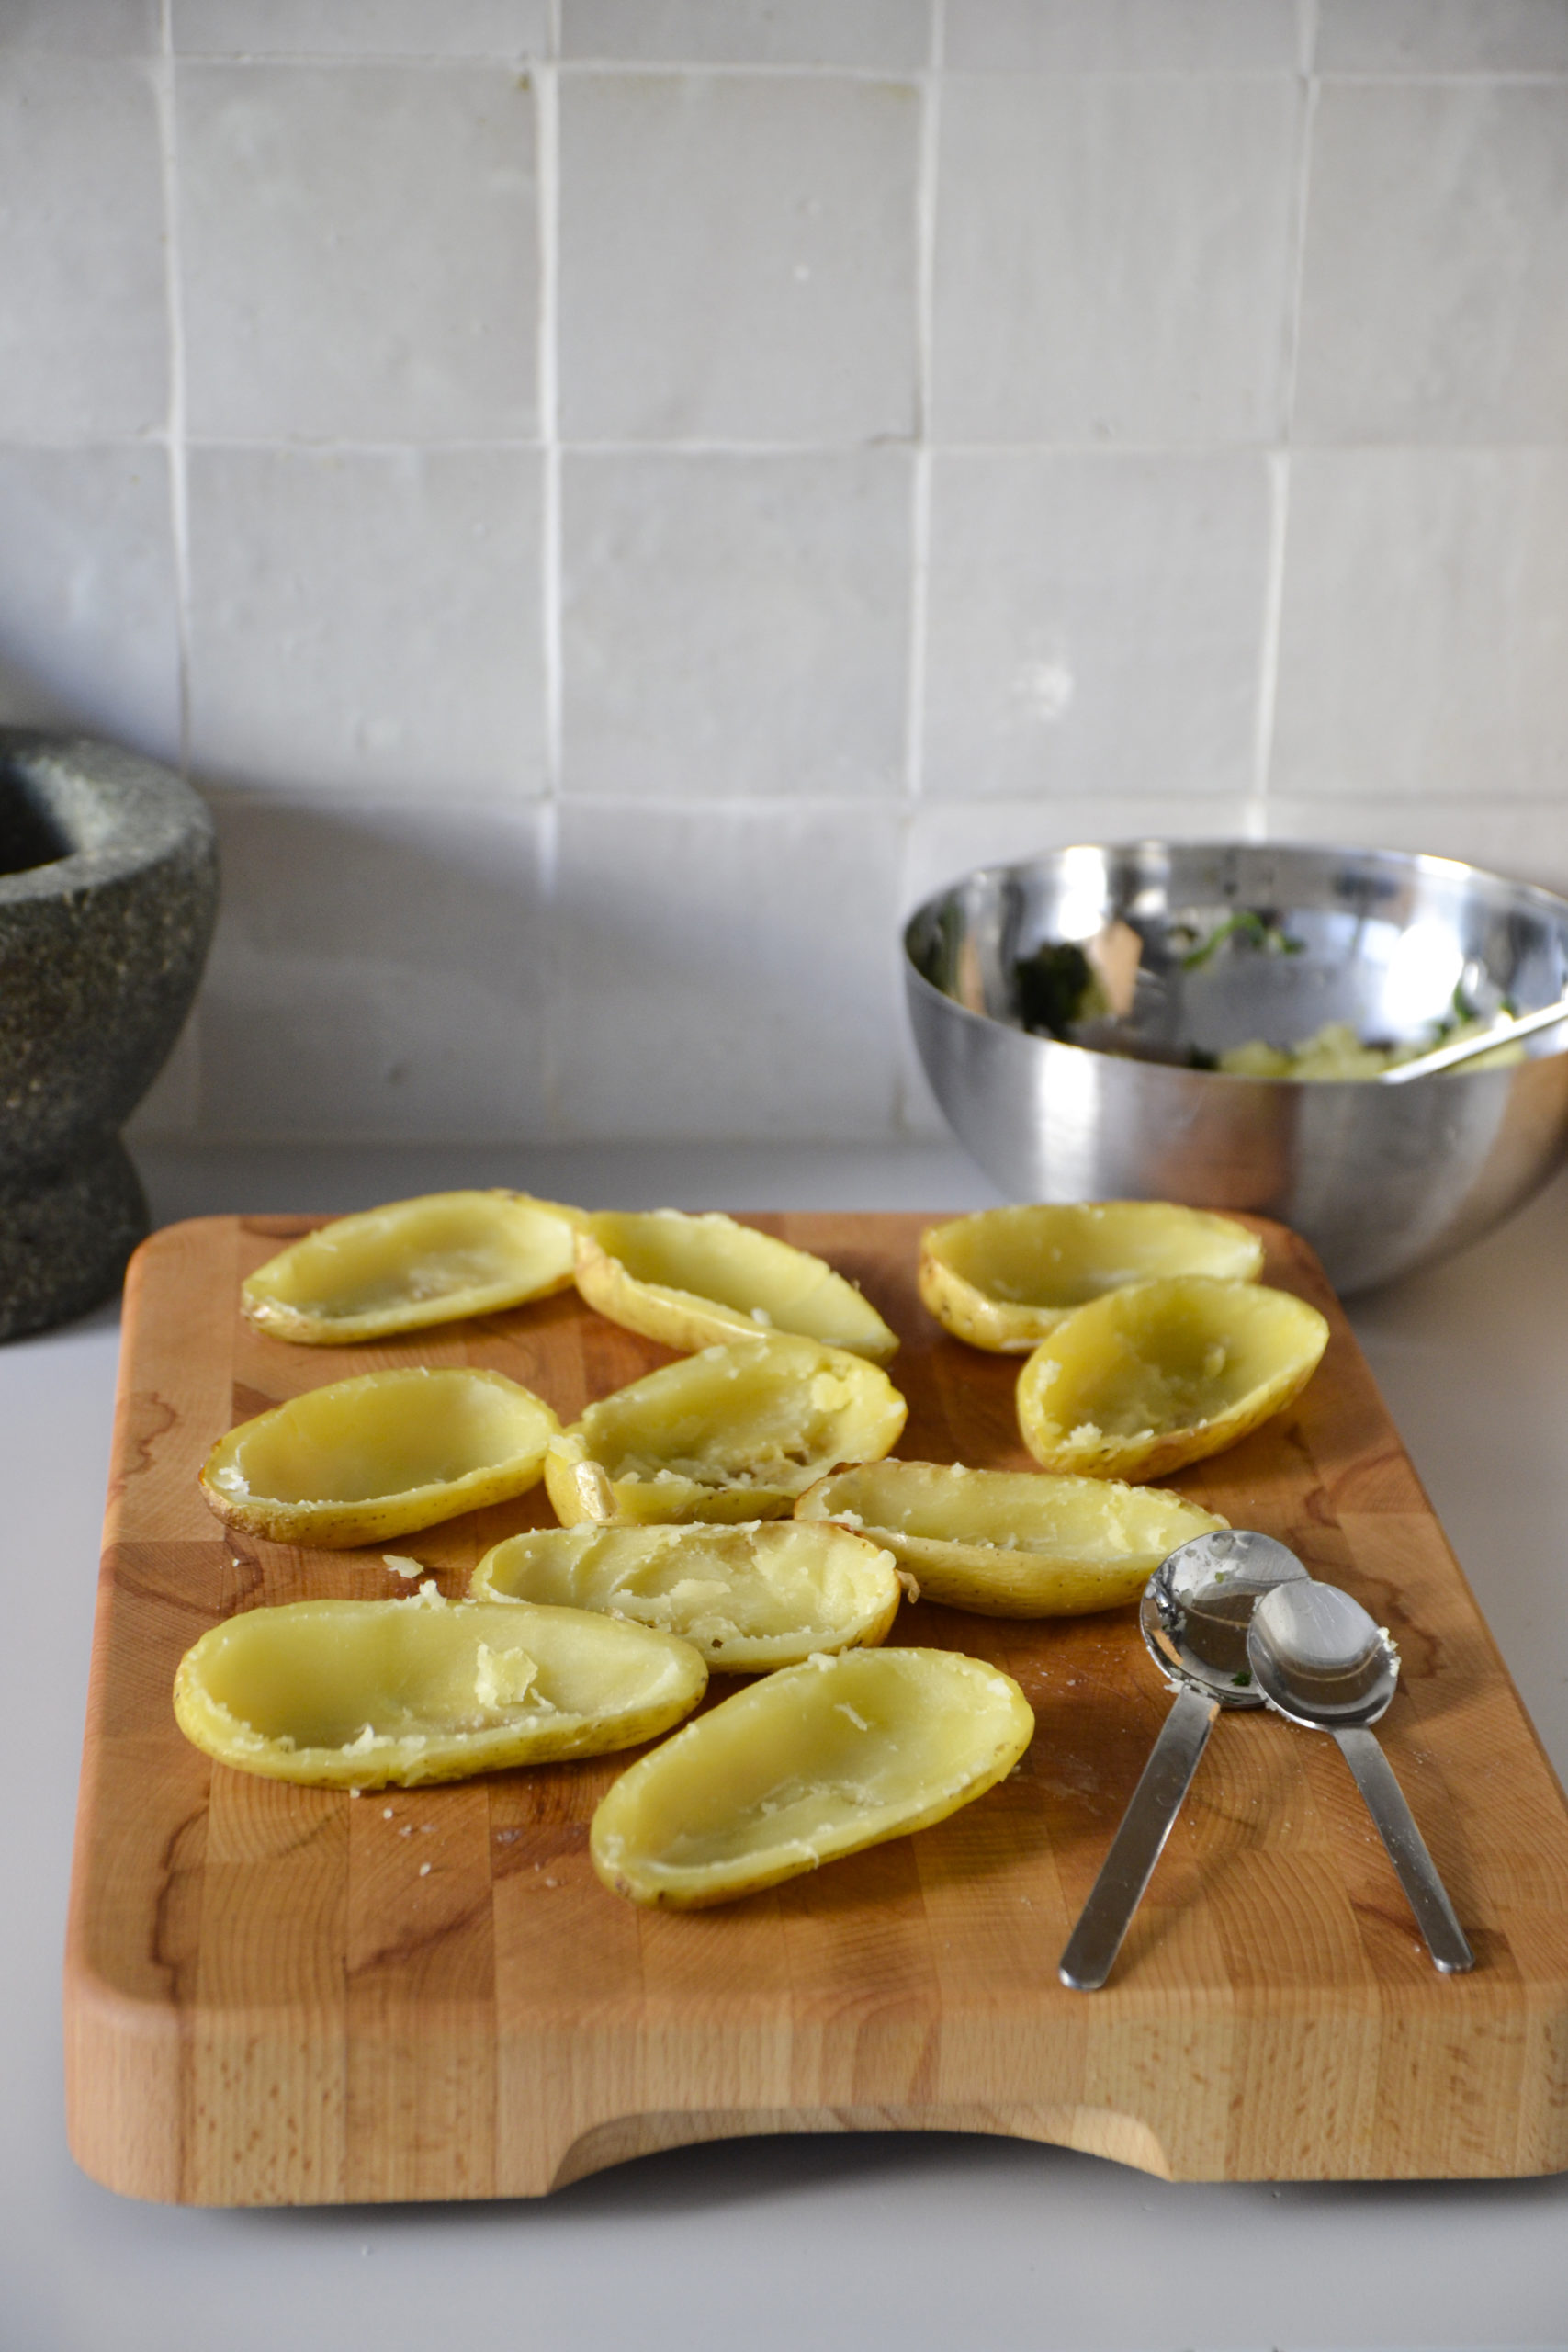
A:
(1320, 1661)
(1193, 1616)
(1468, 1049)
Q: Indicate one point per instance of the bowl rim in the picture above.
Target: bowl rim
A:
(1535, 894)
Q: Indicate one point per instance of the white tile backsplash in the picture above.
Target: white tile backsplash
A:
(738, 257)
(89, 635)
(736, 626)
(1435, 299)
(367, 621)
(377, 971)
(726, 972)
(82, 27)
(1094, 624)
(1120, 36)
(1113, 258)
(83, 315)
(362, 27)
(618, 498)
(1442, 36)
(886, 33)
(1424, 640)
(357, 251)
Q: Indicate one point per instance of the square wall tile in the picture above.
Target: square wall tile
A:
(1441, 36)
(895, 33)
(736, 257)
(367, 621)
(378, 974)
(1521, 840)
(1113, 258)
(736, 625)
(1094, 625)
(84, 325)
(1120, 36)
(946, 841)
(726, 972)
(89, 621)
(1424, 635)
(362, 27)
(1435, 297)
(358, 252)
(83, 28)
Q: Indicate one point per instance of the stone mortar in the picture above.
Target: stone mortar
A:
(108, 891)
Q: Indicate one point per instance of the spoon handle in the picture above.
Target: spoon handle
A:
(1396, 1825)
(1128, 1868)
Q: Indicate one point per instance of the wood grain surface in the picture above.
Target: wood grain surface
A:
(271, 1999)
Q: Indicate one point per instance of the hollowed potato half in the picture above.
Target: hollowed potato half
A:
(692, 1281)
(817, 1761)
(733, 1433)
(411, 1263)
(1012, 1542)
(377, 1456)
(749, 1598)
(365, 1694)
(1146, 1379)
(1004, 1279)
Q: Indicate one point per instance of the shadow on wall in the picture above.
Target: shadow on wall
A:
(376, 974)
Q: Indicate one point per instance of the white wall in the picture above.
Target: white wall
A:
(615, 500)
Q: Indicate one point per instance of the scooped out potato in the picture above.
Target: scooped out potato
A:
(733, 1433)
(819, 1760)
(692, 1281)
(1005, 1278)
(1141, 1381)
(749, 1598)
(367, 1694)
(379, 1455)
(1012, 1542)
(412, 1263)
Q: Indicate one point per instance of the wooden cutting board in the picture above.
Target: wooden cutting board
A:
(281, 1995)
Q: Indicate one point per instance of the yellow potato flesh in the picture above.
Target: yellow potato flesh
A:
(733, 1433)
(749, 1598)
(366, 1459)
(366, 1693)
(817, 1761)
(1141, 1382)
(693, 1280)
(413, 1264)
(1004, 1279)
(1008, 1543)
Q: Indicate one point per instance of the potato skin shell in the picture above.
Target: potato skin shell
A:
(1138, 1460)
(1005, 1327)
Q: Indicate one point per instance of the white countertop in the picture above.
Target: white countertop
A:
(830, 2241)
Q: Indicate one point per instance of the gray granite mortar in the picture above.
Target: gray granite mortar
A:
(108, 891)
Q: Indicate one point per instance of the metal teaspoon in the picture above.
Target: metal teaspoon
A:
(1194, 1616)
(1321, 1661)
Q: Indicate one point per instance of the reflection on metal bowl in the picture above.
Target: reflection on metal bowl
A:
(1192, 949)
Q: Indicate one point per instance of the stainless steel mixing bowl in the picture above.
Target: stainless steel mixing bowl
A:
(1236, 942)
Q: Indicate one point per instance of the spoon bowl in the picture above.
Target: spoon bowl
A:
(1199, 1603)
(1319, 1659)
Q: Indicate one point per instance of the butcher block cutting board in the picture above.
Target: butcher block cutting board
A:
(287, 1996)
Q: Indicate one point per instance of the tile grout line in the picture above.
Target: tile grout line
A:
(1255, 824)
(920, 483)
(546, 86)
(176, 456)
(174, 435)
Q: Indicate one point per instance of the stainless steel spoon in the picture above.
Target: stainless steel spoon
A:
(1466, 1049)
(1194, 1616)
(1322, 1661)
